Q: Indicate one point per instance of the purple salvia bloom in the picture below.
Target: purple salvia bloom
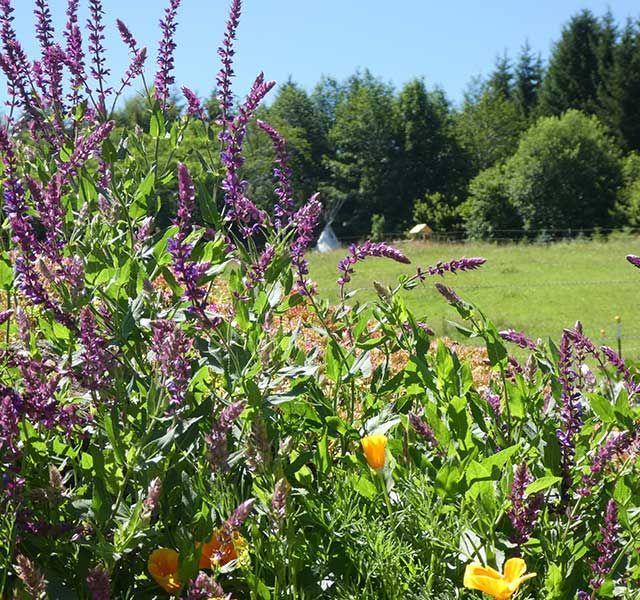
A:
(634, 260)
(134, 70)
(239, 516)
(279, 503)
(449, 295)
(284, 208)
(74, 52)
(164, 79)
(11, 414)
(171, 347)
(5, 315)
(494, 401)
(359, 253)
(258, 269)
(616, 445)
(99, 584)
(205, 587)
(153, 496)
(305, 221)
(127, 37)
(44, 25)
(187, 273)
(423, 430)
(99, 71)
(226, 52)
(524, 511)
(620, 366)
(453, 266)
(194, 107)
(607, 547)
(217, 439)
(240, 208)
(96, 359)
(518, 338)
(53, 61)
(33, 581)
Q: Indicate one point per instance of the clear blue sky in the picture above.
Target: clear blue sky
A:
(447, 42)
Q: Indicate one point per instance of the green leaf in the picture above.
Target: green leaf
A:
(602, 407)
(541, 484)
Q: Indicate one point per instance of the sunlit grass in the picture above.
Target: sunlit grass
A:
(535, 288)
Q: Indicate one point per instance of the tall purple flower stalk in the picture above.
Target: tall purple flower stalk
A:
(284, 208)
(205, 587)
(359, 253)
(607, 547)
(99, 70)
(449, 294)
(453, 266)
(258, 269)
(217, 439)
(423, 430)
(524, 511)
(226, 53)
(240, 208)
(518, 338)
(194, 106)
(171, 347)
(570, 411)
(616, 445)
(74, 53)
(187, 272)
(96, 358)
(166, 49)
(11, 413)
(616, 361)
(44, 24)
(305, 221)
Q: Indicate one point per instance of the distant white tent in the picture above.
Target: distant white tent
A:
(327, 240)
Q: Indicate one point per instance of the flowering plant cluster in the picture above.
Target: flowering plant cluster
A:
(181, 415)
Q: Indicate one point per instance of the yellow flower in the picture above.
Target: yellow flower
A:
(163, 566)
(374, 447)
(497, 585)
(220, 550)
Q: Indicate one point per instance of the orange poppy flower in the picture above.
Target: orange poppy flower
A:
(374, 447)
(221, 549)
(163, 566)
(497, 585)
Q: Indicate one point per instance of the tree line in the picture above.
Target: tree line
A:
(533, 148)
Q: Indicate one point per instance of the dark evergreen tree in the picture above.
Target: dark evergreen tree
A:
(528, 77)
(501, 79)
(619, 105)
(573, 75)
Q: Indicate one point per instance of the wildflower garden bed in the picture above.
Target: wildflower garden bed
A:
(182, 415)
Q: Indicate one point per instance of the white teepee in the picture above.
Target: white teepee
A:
(328, 240)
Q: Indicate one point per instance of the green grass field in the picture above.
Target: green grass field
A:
(538, 289)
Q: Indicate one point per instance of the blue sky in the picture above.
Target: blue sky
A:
(447, 42)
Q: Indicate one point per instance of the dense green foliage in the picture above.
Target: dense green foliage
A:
(410, 155)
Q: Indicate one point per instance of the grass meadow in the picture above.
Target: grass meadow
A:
(536, 288)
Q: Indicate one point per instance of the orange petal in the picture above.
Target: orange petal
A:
(374, 447)
(514, 568)
(163, 567)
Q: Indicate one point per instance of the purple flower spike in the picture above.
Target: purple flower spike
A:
(44, 25)
(616, 445)
(518, 338)
(226, 52)
(217, 439)
(284, 208)
(97, 360)
(453, 266)
(171, 348)
(194, 107)
(205, 587)
(305, 220)
(239, 516)
(449, 295)
(423, 430)
(359, 253)
(524, 511)
(634, 260)
(127, 37)
(99, 71)
(164, 78)
(607, 547)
